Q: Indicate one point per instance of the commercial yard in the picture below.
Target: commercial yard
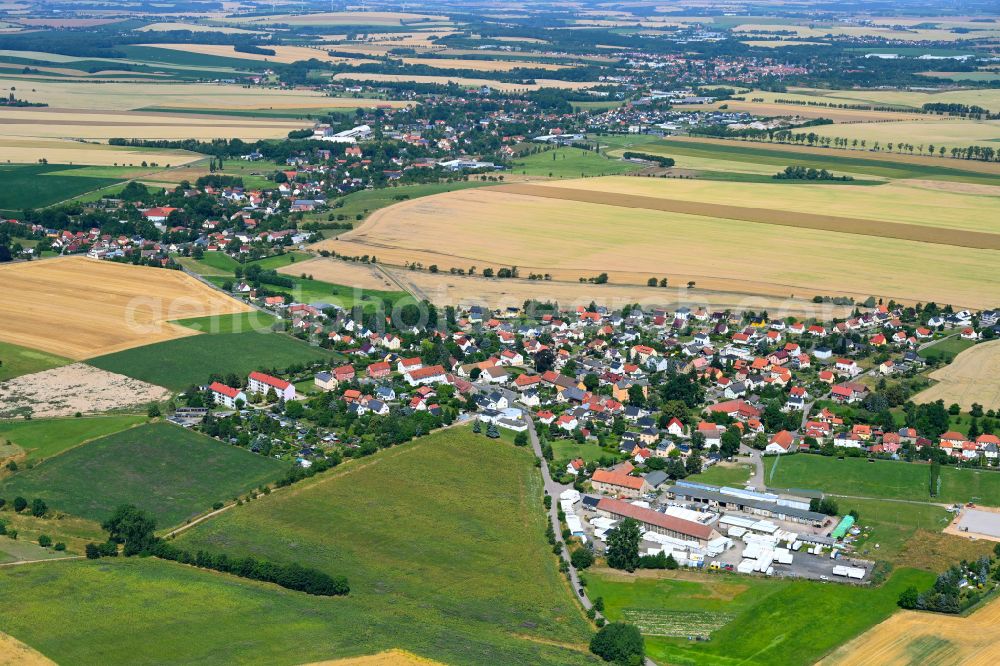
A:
(579, 231)
(164, 469)
(970, 378)
(79, 308)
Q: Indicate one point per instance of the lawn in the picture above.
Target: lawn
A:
(39, 185)
(16, 361)
(171, 472)
(43, 438)
(306, 290)
(177, 364)
(891, 526)
(946, 350)
(762, 621)
(735, 475)
(564, 450)
(570, 162)
(254, 320)
(882, 479)
(442, 541)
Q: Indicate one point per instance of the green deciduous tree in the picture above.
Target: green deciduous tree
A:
(620, 643)
(623, 546)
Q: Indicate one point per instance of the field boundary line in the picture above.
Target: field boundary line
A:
(876, 228)
(50, 559)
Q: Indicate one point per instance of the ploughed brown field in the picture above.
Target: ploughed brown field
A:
(892, 241)
(81, 308)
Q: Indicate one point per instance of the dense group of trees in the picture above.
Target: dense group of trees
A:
(134, 531)
(955, 590)
(803, 173)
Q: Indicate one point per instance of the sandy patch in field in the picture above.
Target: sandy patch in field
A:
(80, 308)
(445, 289)
(74, 388)
(347, 273)
(974, 376)
(496, 85)
(571, 239)
(387, 658)
(15, 653)
(911, 637)
(283, 54)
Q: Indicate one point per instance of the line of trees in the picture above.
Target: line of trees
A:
(133, 530)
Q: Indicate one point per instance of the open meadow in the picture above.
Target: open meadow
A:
(451, 565)
(751, 620)
(16, 361)
(79, 308)
(43, 438)
(970, 378)
(30, 186)
(578, 229)
(912, 637)
(168, 471)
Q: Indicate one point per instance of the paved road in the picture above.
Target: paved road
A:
(554, 489)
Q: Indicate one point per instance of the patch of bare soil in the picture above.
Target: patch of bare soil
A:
(74, 388)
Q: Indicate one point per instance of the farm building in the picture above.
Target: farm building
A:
(656, 522)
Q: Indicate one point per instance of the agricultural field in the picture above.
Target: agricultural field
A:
(481, 65)
(988, 98)
(882, 479)
(467, 82)
(40, 185)
(283, 54)
(513, 225)
(43, 438)
(364, 202)
(946, 132)
(470, 579)
(570, 163)
(194, 358)
(970, 378)
(16, 361)
(72, 389)
(911, 637)
(168, 471)
(71, 152)
(794, 632)
(347, 273)
(359, 18)
(98, 307)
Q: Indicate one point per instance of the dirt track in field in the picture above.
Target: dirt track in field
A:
(912, 232)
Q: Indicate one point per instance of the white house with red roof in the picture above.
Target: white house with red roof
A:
(226, 395)
(258, 382)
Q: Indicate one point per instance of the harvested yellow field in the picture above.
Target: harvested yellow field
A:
(347, 273)
(928, 639)
(886, 32)
(282, 54)
(803, 111)
(472, 83)
(445, 289)
(130, 96)
(988, 98)
(777, 43)
(387, 658)
(61, 124)
(15, 653)
(195, 27)
(65, 151)
(948, 132)
(81, 308)
(481, 65)
(570, 239)
(340, 18)
(974, 376)
(896, 201)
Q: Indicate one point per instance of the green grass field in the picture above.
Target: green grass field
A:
(306, 290)
(892, 525)
(39, 185)
(838, 161)
(881, 479)
(734, 475)
(16, 361)
(763, 621)
(222, 262)
(177, 364)
(171, 472)
(235, 323)
(946, 350)
(564, 450)
(570, 163)
(442, 541)
(43, 438)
